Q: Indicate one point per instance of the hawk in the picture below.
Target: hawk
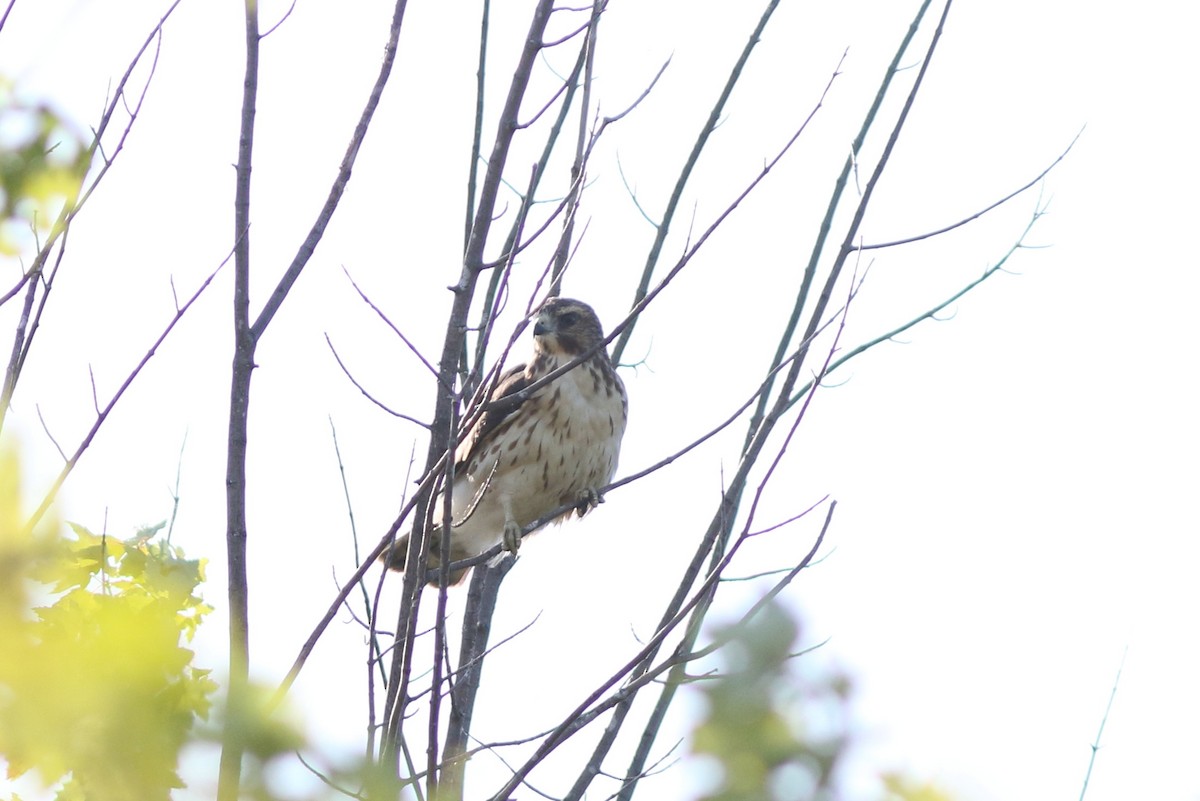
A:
(559, 446)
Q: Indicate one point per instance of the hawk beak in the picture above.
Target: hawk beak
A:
(542, 326)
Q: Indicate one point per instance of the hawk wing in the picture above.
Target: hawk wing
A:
(490, 421)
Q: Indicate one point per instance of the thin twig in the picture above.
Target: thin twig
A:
(433, 371)
(366, 394)
(46, 428)
(175, 492)
(477, 128)
(443, 428)
(835, 202)
(70, 210)
(282, 20)
(1100, 732)
(983, 211)
(721, 522)
(366, 598)
(50, 495)
(7, 10)
(685, 173)
(592, 707)
(930, 313)
(512, 242)
(340, 182)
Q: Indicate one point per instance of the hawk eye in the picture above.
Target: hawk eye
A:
(569, 319)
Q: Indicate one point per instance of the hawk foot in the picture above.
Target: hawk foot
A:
(512, 536)
(587, 500)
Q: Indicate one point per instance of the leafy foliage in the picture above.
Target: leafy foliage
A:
(901, 788)
(42, 164)
(764, 729)
(96, 687)
(776, 733)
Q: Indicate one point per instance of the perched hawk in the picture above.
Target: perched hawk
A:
(557, 447)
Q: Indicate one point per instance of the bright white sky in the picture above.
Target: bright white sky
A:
(1016, 485)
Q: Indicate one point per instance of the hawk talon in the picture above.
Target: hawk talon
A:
(587, 500)
(512, 536)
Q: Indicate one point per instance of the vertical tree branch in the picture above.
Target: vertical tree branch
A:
(103, 414)
(476, 629)
(473, 262)
(309, 245)
(835, 200)
(710, 125)
(232, 746)
(441, 437)
(477, 129)
(439, 627)
(579, 167)
(27, 325)
(514, 239)
(847, 246)
(442, 429)
(246, 338)
(14, 362)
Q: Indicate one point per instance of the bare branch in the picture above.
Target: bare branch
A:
(1100, 732)
(572, 34)
(443, 427)
(683, 653)
(54, 441)
(104, 413)
(28, 325)
(92, 380)
(7, 10)
(512, 250)
(477, 128)
(473, 261)
(75, 204)
(770, 595)
(835, 201)
(340, 182)
(477, 624)
(637, 102)
(545, 107)
(375, 646)
(368, 561)
(175, 492)
(13, 371)
(706, 130)
(627, 324)
(366, 394)
(477, 659)
(244, 343)
(928, 314)
(392, 326)
(579, 166)
(282, 20)
(592, 707)
(983, 211)
(512, 242)
(654, 769)
(328, 782)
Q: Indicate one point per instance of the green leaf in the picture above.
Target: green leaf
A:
(42, 165)
(96, 685)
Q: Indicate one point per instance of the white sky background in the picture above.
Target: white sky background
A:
(1016, 486)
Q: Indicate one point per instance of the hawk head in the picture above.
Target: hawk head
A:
(565, 327)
